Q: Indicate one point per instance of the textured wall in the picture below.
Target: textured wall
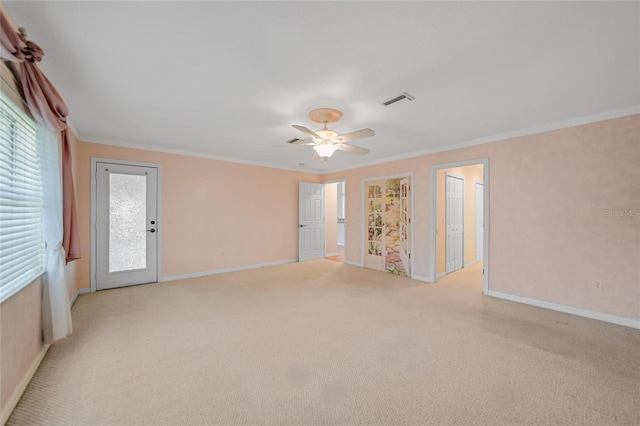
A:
(21, 339)
(553, 234)
(563, 214)
(215, 214)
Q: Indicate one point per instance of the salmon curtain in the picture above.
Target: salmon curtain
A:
(47, 107)
(71, 238)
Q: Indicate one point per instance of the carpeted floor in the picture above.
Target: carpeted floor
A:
(323, 343)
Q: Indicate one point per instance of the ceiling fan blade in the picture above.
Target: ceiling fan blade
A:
(297, 141)
(352, 149)
(307, 131)
(358, 134)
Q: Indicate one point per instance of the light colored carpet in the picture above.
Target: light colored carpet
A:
(320, 343)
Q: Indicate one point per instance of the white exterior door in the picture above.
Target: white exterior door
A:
(311, 221)
(455, 222)
(479, 220)
(126, 225)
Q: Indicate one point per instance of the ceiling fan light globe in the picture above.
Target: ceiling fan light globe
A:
(325, 150)
(327, 134)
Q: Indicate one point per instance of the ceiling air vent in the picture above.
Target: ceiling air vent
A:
(404, 97)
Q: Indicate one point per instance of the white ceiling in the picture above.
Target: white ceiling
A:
(228, 79)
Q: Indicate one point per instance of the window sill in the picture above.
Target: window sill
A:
(7, 293)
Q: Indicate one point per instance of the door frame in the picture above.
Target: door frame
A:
(446, 175)
(346, 224)
(94, 199)
(434, 200)
(364, 221)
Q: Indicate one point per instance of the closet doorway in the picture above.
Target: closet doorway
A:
(460, 224)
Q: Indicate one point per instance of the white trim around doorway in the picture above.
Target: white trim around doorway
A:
(346, 222)
(364, 222)
(485, 244)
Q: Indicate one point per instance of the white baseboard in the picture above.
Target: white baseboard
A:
(330, 254)
(627, 322)
(22, 385)
(440, 275)
(473, 262)
(352, 263)
(422, 278)
(78, 293)
(224, 270)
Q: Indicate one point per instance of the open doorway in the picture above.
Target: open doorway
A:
(387, 225)
(335, 196)
(460, 213)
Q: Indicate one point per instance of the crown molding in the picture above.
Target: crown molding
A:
(463, 144)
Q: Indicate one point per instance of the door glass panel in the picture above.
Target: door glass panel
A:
(127, 222)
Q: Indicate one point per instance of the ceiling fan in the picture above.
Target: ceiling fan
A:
(325, 141)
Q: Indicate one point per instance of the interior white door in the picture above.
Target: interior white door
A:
(126, 225)
(479, 220)
(455, 222)
(311, 221)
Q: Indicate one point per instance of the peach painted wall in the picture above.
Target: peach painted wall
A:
(21, 340)
(554, 230)
(331, 217)
(471, 175)
(215, 214)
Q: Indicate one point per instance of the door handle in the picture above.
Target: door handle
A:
(151, 230)
(301, 226)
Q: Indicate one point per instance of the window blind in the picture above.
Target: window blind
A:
(21, 213)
